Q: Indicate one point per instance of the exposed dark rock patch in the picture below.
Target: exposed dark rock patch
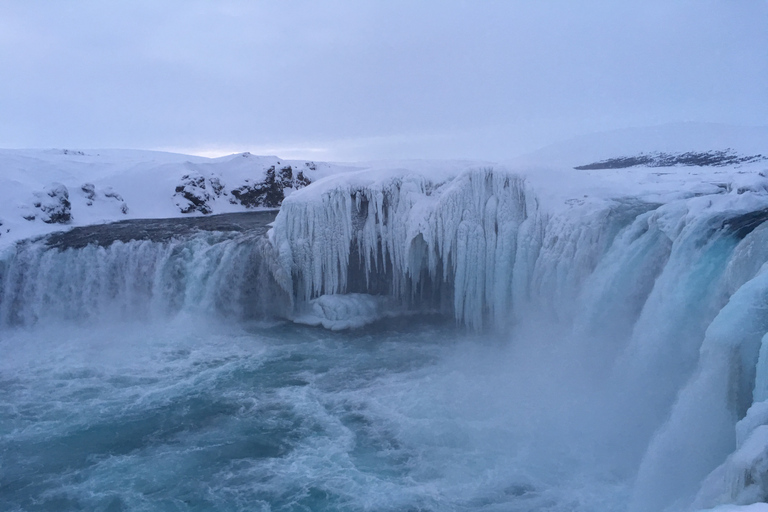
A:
(192, 195)
(216, 185)
(743, 225)
(111, 194)
(704, 159)
(159, 230)
(89, 189)
(270, 192)
(197, 192)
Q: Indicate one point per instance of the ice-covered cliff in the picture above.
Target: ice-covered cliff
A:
(655, 269)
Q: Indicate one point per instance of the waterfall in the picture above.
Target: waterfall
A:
(668, 298)
(660, 307)
(151, 278)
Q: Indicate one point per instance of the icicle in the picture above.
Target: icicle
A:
(465, 229)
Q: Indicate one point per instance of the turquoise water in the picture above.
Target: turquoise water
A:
(187, 416)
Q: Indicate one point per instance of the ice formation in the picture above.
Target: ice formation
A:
(670, 297)
(660, 277)
(419, 234)
(146, 273)
(346, 311)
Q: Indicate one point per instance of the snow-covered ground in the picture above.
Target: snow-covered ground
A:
(111, 185)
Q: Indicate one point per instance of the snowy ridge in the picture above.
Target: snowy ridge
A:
(49, 190)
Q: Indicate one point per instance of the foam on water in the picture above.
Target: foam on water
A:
(279, 417)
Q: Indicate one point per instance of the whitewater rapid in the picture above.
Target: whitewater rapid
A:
(605, 356)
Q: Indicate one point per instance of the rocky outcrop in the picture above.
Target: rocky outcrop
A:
(193, 194)
(52, 204)
(89, 190)
(197, 192)
(271, 191)
(698, 158)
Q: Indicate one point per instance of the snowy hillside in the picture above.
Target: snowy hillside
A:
(49, 190)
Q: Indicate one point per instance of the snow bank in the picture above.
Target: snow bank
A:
(48, 190)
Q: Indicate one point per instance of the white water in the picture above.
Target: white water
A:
(618, 352)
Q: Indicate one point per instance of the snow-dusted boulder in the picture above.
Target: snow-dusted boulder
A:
(194, 195)
(89, 189)
(111, 194)
(53, 205)
(91, 195)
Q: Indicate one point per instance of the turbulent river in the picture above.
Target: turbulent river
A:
(609, 362)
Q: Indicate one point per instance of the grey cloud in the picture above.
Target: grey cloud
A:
(373, 79)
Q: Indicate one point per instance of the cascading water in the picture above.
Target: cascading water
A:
(608, 357)
(141, 270)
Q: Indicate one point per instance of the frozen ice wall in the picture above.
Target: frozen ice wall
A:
(663, 300)
(481, 239)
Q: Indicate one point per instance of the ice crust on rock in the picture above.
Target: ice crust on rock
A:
(52, 204)
(347, 311)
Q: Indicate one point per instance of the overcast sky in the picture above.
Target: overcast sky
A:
(345, 80)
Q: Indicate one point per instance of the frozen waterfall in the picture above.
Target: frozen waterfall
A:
(657, 307)
(669, 300)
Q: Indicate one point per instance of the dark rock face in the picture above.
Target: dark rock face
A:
(197, 192)
(270, 192)
(704, 159)
(742, 225)
(192, 195)
(159, 230)
(53, 204)
(89, 189)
